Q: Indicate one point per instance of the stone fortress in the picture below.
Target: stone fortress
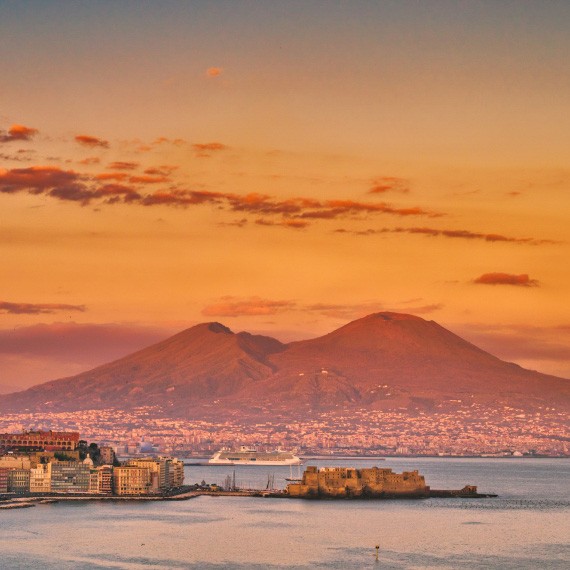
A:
(349, 482)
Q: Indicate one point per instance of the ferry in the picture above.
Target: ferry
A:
(250, 456)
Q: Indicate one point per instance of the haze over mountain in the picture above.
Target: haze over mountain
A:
(382, 361)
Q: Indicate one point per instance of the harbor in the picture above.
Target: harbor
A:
(371, 483)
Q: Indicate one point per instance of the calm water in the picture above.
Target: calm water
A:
(528, 527)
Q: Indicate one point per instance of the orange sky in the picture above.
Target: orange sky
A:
(282, 169)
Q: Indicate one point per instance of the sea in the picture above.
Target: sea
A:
(526, 527)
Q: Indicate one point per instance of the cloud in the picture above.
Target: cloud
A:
(7, 307)
(286, 223)
(214, 71)
(458, 234)
(90, 160)
(18, 133)
(92, 142)
(64, 185)
(163, 170)
(351, 311)
(147, 179)
(389, 183)
(236, 223)
(117, 176)
(140, 179)
(256, 306)
(165, 140)
(117, 192)
(540, 348)
(43, 352)
(206, 149)
(121, 165)
(339, 208)
(345, 311)
(182, 198)
(35, 179)
(291, 212)
(15, 157)
(522, 280)
(252, 306)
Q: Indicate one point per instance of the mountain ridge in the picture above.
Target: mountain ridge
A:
(382, 361)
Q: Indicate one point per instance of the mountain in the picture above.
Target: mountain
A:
(382, 361)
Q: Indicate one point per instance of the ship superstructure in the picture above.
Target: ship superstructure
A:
(251, 456)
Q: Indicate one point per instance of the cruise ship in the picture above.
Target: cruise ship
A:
(250, 456)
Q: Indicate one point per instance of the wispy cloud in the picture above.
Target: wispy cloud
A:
(339, 208)
(166, 140)
(37, 308)
(388, 184)
(522, 280)
(351, 311)
(533, 346)
(457, 234)
(42, 352)
(18, 133)
(204, 150)
(148, 179)
(89, 141)
(117, 176)
(122, 165)
(255, 306)
(16, 157)
(162, 170)
(90, 160)
(252, 306)
(286, 223)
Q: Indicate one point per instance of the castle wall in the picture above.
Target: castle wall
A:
(351, 482)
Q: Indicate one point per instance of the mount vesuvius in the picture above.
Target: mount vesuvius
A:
(382, 361)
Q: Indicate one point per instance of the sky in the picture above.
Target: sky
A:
(282, 168)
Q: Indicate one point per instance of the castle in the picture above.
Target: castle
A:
(351, 482)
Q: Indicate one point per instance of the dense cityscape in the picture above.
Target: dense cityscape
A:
(474, 430)
(59, 462)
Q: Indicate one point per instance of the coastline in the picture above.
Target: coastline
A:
(27, 502)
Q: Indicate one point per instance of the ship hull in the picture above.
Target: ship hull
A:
(255, 463)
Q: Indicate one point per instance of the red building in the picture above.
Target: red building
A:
(39, 441)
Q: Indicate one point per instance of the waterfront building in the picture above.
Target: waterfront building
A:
(176, 473)
(19, 481)
(351, 482)
(39, 441)
(131, 480)
(40, 478)
(93, 481)
(70, 477)
(157, 470)
(166, 472)
(104, 479)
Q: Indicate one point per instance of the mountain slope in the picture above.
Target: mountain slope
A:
(197, 364)
(383, 361)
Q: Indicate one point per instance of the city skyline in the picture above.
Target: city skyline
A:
(281, 169)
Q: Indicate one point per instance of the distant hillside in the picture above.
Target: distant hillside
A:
(382, 361)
